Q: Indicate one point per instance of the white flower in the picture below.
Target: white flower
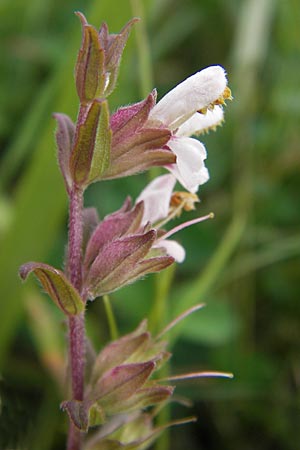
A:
(197, 92)
(189, 169)
(157, 199)
(191, 108)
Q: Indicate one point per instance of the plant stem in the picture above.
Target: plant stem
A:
(76, 323)
(75, 237)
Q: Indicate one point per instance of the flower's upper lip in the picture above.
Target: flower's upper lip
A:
(193, 94)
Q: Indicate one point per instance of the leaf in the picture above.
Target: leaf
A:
(143, 398)
(120, 383)
(129, 119)
(101, 154)
(64, 140)
(91, 152)
(55, 283)
(113, 226)
(118, 259)
(78, 413)
(117, 352)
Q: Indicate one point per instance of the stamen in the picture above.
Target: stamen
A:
(172, 214)
(210, 128)
(187, 200)
(226, 95)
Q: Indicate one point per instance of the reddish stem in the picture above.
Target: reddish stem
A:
(76, 323)
(75, 237)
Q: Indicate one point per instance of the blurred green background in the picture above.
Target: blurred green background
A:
(244, 264)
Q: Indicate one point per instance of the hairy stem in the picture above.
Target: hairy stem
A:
(76, 323)
(75, 237)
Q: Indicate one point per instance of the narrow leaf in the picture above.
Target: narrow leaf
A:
(82, 153)
(64, 140)
(101, 153)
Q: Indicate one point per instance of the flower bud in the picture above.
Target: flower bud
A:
(98, 60)
(113, 45)
(89, 71)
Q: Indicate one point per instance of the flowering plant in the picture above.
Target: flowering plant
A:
(115, 389)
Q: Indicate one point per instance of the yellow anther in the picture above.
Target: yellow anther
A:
(183, 201)
(226, 95)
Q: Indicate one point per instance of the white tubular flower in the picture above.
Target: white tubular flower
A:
(195, 93)
(157, 199)
(191, 108)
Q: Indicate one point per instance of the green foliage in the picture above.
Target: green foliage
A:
(244, 265)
